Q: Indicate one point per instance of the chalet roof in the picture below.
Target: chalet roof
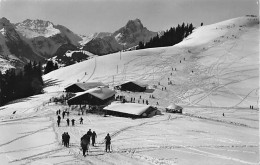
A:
(87, 85)
(128, 108)
(137, 83)
(174, 106)
(99, 92)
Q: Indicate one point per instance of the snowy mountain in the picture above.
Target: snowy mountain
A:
(14, 48)
(68, 54)
(45, 37)
(128, 36)
(32, 40)
(39, 40)
(132, 33)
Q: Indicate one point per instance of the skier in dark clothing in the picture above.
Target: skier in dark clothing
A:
(67, 139)
(63, 114)
(84, 143)
(58, 121)
(93, 138)
(68, 121)
(63, 138)
(108, 142)
(81, 120)
(89, 133)
(73, 122)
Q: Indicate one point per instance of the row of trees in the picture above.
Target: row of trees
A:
(22, 84)
(50, 66)
(170, 37)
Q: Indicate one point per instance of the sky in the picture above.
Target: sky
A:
(89, 16)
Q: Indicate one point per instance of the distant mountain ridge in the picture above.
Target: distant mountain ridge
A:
(38, 40)
(32, 40)
(128, 36)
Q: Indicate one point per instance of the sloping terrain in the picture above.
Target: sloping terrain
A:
(213, 74)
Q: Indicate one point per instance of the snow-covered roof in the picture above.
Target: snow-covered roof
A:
(174, 106)
(88, 85)
(99, 92)
(129, 108)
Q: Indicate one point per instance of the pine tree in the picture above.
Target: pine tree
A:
(49, 67)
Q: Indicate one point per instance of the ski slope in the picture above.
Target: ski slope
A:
(222, 56)
(220, 74)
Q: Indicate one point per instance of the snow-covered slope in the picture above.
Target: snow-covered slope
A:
(213, 55)
(215, 81)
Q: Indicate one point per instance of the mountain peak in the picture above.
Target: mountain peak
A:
(35, 24)
(4, 20)
(134, 24)
(34, 28)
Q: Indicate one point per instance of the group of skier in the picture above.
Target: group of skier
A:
(91, 136)
(68, 121)
(86, 140)
(66, 139)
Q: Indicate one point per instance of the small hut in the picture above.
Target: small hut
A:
(132, 110)
(173, 108)
(80, 87)
(95, 96)
(133, 86)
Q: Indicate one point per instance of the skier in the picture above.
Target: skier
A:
(63, 114)
(108, 142)
(63, 138)
(68, 121)
(94, 136)
(67, 139)
(85, 141)
(73, 122)
(89, 133)
(58, 121)
(223, 114)
(81, 120)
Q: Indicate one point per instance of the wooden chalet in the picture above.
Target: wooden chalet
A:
(132, 110)
(80, 87)
(133, 86)
(95, 96)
